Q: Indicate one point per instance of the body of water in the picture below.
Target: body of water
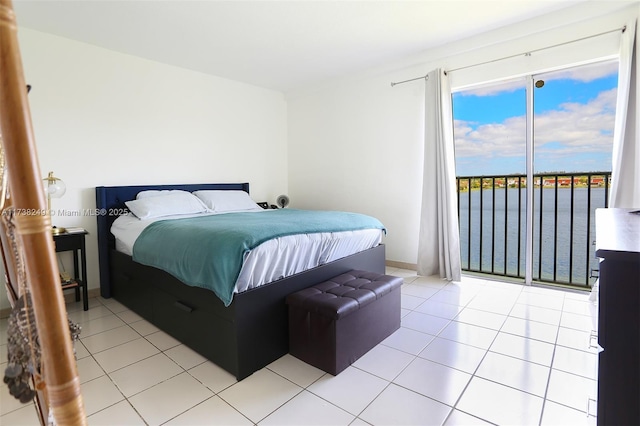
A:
(563, 242)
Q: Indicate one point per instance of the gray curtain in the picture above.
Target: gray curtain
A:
(439, 238)
(625, 172)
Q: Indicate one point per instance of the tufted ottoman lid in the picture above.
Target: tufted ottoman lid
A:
(344, 294)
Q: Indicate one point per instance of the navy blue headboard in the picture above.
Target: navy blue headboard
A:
(110, 204)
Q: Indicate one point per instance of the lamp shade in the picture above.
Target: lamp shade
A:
(54, 187)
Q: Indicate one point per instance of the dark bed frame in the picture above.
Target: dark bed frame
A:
(242, 338)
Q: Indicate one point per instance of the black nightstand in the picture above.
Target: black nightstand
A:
(74, 241)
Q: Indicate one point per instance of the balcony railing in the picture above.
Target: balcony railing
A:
(491, 212)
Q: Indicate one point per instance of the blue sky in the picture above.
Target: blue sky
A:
(573, 123)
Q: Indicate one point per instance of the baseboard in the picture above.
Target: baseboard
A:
(401, 265)
(93, 292)
(68, 298)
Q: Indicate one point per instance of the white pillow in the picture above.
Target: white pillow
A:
(227, 201)
(166, 205)
(155, 193)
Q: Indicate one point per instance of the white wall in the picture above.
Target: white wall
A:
(356, 148)
(105, 118)
(357, 144)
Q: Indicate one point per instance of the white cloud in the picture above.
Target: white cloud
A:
(493, 89)
(588, 127)
(504, 139)
(585, 73)
(561, 132)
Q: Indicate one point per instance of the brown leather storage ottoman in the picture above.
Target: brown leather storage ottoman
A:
(334, 323)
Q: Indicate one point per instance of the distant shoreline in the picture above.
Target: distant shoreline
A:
(550, 181)
(523, 186)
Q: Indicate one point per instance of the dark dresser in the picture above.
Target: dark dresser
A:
(618, 247)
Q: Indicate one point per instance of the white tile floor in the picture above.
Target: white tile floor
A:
(475, 352)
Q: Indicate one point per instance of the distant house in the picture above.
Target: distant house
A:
(563, 181)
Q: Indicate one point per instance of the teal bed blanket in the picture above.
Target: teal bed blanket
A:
(208, 251)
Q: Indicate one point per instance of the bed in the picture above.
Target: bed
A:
(243, 337)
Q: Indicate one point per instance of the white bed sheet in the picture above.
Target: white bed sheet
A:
(273, 259)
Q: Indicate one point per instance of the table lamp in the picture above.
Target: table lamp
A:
(54, 188)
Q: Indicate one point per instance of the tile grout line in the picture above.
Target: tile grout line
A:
(476, 370)
(114, 384)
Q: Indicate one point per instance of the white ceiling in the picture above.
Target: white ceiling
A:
(281, 45)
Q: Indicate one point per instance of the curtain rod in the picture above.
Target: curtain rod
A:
(426, 77)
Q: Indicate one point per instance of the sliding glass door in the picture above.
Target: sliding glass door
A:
(573, 117)
(491, 146)
(533, 160)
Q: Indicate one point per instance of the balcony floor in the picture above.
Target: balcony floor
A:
(467, 353)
